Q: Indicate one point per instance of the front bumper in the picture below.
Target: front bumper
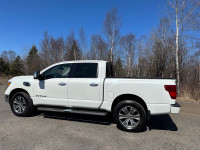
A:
(7, 98)
(175, 108)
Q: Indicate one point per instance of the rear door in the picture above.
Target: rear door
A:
(84, 86)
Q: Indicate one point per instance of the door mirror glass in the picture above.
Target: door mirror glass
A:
(36, 74)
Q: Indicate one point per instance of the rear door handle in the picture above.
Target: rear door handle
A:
(62, 84)
(93, 84)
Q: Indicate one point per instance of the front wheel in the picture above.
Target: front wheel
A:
(21, 104)
(130, 116)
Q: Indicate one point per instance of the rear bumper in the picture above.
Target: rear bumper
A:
(7, 98)
(175, 108)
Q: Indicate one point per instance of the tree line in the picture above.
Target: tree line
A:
(169, 51)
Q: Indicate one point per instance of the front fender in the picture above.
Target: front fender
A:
(17, 85)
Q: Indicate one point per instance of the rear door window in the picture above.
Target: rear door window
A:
(86, 70)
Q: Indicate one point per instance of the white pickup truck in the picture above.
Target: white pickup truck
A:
(89, 87)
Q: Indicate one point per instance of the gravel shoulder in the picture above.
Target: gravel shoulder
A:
(60, 131)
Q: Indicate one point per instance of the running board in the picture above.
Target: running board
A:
(74, 111)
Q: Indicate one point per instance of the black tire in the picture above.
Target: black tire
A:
(26, 103)
(133, 120)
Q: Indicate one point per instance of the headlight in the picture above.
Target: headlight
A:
(9, 83)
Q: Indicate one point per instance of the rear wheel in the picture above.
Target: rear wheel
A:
(130, 116)
(21, 104)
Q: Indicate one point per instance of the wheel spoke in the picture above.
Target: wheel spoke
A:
(16, 107)
(16, 102)
(136, 117)
(23, 102)
(23, 108)
(132, 110)
(19, 109)
(20, 98)
(133, 123)
(121, 116)
(126, 122)
(125, 110)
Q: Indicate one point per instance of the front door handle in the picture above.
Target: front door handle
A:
(93, 84)
(62, 84)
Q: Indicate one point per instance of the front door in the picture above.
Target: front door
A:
(53, 89)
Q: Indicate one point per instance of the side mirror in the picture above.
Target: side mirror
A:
(36, 75)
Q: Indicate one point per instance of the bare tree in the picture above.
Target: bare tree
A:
(8, 56)
(82, 41)
(128, 44)
(57, 49)
(141, 55)
(198, 57)
(160, 47)
(98, 48)
(180, 12)
(111, 27)
(45, 51)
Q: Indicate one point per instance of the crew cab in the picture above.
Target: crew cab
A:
(90, 87)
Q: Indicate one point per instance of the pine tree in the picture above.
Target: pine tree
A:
(74, 53)
(4, 67)
(16, 67)
(119, 68)
(33, 60)
(7, 68)
(2, 63)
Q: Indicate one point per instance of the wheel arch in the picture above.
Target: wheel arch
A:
(123, 97)
(16, 91)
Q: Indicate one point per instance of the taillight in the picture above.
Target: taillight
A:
(172, 90)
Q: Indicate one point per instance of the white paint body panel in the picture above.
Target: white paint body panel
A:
(78, 93)
(81, 94)
(152, 91)
(52, 92)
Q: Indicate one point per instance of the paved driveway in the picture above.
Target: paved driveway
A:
(52, 131)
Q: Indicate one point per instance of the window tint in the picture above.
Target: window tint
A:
(59, 71)
(109, 70)
(86, 70)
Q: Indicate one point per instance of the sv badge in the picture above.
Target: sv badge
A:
(41, 96)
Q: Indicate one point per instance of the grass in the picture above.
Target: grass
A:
(3, 80)
(187, 99)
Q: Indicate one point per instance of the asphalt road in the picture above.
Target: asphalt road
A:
(55, 131)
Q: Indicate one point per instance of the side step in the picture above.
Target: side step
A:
(74, 111)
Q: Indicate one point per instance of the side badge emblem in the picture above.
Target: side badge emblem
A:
(26, 84)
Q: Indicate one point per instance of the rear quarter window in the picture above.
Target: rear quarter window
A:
(109, 70)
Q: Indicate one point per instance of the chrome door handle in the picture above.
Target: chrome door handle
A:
(62, 84)
(93, 84)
